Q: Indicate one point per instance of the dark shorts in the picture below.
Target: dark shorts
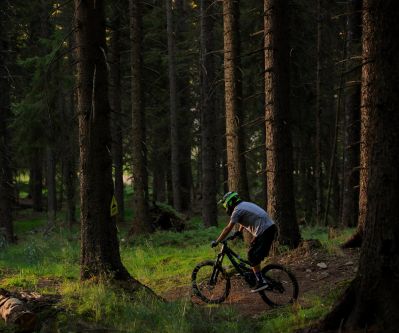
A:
(260, 246)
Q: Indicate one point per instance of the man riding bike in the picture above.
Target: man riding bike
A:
(258, 223)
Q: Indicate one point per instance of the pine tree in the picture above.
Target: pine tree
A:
(370, 302)
(140, 178)
(281, 204)
(174, 122)
(116, 105)
(236, 164)
(208, 115)
(99, 244)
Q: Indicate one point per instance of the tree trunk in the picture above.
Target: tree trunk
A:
(281, 204)
(326, 110)
(51, 186)
(140, 178)
(184, 93)
(36, 180)
(14, 312)
(70, 181)
(236, 165)
(357, 238)
(318, 169)
(169, 187)
(350, 199)
(174, 122)
(265, 195)
(6, 180)
(99, 244)
(70, 173)
(159, 183)
(116, 109)
(208, 116)
(371, 301)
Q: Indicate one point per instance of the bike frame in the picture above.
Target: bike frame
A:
(275, 285)
(242, 266)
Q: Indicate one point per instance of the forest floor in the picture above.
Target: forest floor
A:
(318, 270)
(43, 270)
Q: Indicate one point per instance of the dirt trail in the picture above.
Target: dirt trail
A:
(317, 271)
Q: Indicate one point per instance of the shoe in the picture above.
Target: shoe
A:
(260, 285)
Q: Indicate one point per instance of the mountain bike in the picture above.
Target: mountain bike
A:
(211, 282)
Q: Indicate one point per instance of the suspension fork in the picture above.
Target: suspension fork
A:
(216, 268)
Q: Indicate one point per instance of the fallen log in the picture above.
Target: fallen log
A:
(164, 217)
(15, 312)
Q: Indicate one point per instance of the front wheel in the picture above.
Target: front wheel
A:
(283, 286)
(210, 283)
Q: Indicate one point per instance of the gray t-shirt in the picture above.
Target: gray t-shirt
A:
(251, 217)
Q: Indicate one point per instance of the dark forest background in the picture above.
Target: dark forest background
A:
(163, 106)
(183, 117)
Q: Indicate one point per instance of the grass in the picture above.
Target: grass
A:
(321, 233)
(287, 319)
(25, 226)
(114, 308)
(162, 260)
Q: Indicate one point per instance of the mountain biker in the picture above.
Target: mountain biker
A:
(258, 223)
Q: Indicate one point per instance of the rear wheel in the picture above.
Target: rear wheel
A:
(211, 284)
(283, 286)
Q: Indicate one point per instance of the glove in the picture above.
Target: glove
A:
(214, 243)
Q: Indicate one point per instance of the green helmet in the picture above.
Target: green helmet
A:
(229, 200)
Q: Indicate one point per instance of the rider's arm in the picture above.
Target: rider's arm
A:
(225, 232)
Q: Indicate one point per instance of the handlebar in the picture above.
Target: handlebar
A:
(224, 242)
(228, 239)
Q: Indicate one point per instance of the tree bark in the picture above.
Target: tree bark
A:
(51, 186)
(281, 204)
(356, 239)
(265, 194)
(350, 199)
(14, 312)
(159, 183)
(318, 168)
(174, 122)
(116, 109)
(372, 303)
(185, 117)
(70, 173)
(36, 180)
(140, 178)
(100, 255)
(208, 116)
(236, 165)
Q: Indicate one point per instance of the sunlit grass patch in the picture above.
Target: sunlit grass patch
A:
(39, 257)
(290, 318)
(165, 260)
(21, 280)
(322, 234)
(112, 307)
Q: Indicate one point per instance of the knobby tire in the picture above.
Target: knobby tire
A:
(201, 284)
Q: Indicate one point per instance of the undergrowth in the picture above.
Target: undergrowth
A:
(162, 261)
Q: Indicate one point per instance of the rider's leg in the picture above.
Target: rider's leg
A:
(260, 281)
(256, 270)
(259, 249)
